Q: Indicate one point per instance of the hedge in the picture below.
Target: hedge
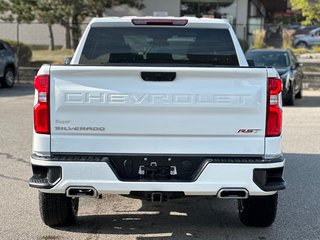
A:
(244, 45)
(25, 52)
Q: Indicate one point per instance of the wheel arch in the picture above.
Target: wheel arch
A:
(302, 41)
(12, 66)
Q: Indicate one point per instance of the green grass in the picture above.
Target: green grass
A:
(300, 50)
(316, 49)
(54, 57)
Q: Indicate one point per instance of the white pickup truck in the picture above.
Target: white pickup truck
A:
(158, 108)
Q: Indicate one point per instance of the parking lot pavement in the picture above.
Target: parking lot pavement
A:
(118, 217)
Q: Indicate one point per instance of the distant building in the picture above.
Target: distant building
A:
(244, 15)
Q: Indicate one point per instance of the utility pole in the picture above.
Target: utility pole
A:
(18, 50)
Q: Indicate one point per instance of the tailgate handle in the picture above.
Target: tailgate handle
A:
(158, 76)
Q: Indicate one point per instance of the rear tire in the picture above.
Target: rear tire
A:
(9, 77)
(302, 45)
(288, 98)
(300, 93)
(57, 209)
(258, 211)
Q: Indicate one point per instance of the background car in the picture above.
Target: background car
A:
(288, 67)
(7, 65)
(307, 40)
(300, 30)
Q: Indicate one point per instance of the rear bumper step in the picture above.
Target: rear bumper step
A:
(45, 177)
(269, 179)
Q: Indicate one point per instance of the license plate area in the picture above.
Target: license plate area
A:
(157, 168)
(155, 172)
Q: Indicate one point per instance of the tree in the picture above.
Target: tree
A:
(98, 7)
(79, 12)
(309, 9)
(49, 12)
(64, 20)
(45, 11)
(17, 10)
(27, 11)
(68, 13)
(81, 9)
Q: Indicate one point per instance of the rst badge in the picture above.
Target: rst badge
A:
(248, 130)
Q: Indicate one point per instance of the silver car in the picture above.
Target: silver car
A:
(307, 40)
(7, 65)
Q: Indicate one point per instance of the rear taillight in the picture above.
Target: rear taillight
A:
(160, 21)
(274, 109)
(41, 111)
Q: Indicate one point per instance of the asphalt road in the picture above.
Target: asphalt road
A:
(117, 217)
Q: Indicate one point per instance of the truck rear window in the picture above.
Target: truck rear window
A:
(161, 45)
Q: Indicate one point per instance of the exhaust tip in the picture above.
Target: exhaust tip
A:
(82, 192)
(233, 193)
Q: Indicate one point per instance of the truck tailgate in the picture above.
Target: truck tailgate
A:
(202, 111)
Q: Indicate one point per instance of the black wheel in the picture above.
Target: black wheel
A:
(8, 79)
(258, 211)
(299, 94)
(302, 45)
(57, 209)
(288, 96)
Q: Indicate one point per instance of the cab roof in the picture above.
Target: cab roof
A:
(190, 21)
